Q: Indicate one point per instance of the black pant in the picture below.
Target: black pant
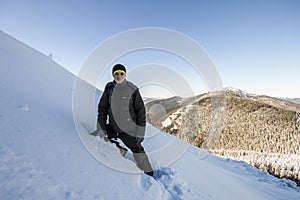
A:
(137, 149)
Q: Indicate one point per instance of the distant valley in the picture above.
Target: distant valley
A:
(260, 130)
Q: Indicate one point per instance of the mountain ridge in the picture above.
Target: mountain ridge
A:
(273, 121)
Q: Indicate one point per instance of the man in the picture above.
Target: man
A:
(122, 103)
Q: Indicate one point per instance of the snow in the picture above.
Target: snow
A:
(167, 122)
(241, 93)
(171, 119)
(42, 157)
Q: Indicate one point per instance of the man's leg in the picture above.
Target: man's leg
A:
(139, 153)
(111, 134)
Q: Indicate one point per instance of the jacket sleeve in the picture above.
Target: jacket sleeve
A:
(140, 112)
(103, 108)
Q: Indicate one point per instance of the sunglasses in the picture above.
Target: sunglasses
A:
(119, 73)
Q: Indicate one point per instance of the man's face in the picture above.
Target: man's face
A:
(119, 77)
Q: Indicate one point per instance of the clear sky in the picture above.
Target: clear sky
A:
(255, 44)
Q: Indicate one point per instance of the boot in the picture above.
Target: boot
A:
(151, 173)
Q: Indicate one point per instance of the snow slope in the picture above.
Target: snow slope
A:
(42, 157)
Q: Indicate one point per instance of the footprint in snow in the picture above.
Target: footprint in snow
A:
(24, 107)
(168, 178)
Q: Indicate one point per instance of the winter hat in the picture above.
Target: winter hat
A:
(119, 68)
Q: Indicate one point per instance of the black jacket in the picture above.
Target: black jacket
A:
(124, 106)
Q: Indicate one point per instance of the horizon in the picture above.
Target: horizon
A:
(254, 45)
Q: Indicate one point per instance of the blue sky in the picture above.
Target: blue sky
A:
(255, 45)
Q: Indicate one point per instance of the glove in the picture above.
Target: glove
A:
(138, 140)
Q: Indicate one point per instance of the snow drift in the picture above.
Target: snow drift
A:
(42, 157)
